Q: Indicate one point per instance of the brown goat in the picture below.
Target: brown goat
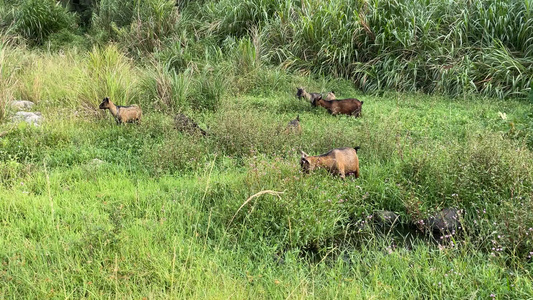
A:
(311, 97)
(349, 106)
(184, 123)
(294, 126)
(342, 161)
(123, 114)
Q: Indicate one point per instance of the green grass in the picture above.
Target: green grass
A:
(90, 209)
(101, 232)
(160, 216)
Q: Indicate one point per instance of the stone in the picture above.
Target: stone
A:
(21, 105)
(28, 117)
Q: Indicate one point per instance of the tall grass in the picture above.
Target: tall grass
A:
(69, 82)
(455, 48)
(430, 46)
(36, 20)
(141, 26)
(7, 75)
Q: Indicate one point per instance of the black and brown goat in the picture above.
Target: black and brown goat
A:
(311, 97)
(184, 123)
(123, 114)
(294, 126)
(341, 161)
(349, 106)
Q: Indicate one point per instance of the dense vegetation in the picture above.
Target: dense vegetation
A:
(91, 209)
(451, 47)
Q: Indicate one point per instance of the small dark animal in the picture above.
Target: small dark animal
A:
(311, 97)
(446, 221)
(342, 161)
(123, 114)
(294, 126)
(349, 106)
(184, 123)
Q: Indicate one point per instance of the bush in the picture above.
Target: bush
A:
(37, 19)
(65, 38)
(166, 89)
(180, 153)
(152, 24)
(141, 26)
(112, 75)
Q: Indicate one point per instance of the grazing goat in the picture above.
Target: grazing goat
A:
(184, 123)
(342, 161)
(349, 106)
(123, 114)
(294, 126)
(311, 97)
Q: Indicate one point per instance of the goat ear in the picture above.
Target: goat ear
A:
(298, 118)
(106, 99)
(304, 155)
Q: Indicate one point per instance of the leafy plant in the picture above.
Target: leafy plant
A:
(36, 20)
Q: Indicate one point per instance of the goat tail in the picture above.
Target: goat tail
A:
(356, 148)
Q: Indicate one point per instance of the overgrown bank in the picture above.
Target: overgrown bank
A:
(91, 209)
(480, 47)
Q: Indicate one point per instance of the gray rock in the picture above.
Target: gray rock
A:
(21, 104)
(28, 117)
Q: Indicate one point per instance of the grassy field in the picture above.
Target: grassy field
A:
(159, 215)
(89, 209)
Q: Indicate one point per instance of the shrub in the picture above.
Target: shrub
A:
(152, 24)
(65, 38)
(179, 153)
(141, 26)
(241, 133)
(37, 19)
(209, 87)
(167, 89)
(112, 75)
